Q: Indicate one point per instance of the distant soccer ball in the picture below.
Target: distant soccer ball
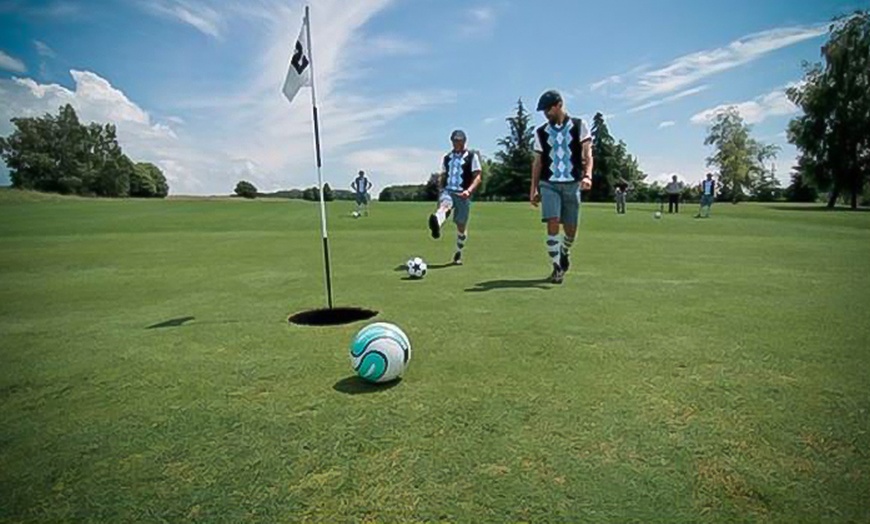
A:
(658, 214)
(380, 352)
(416, 267)
(355, 214)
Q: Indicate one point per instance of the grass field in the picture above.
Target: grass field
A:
(687, 370)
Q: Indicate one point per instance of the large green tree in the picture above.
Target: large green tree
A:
(799, 190)
(833, 133)
(739, 158)
(612, 163)
(605, 166)
(511, 174)
(766, 187)
(57, 153)
(148, 181)
(246, 189)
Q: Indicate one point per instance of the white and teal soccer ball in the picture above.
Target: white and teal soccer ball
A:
(355, 214)
(380, 352)
(416, 268)
(657, 215)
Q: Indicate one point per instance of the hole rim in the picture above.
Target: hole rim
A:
(334, 317)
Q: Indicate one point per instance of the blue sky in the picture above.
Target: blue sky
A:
(194, 85)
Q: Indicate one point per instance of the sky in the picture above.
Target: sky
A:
(194, 86)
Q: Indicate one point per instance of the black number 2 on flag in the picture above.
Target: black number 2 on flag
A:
(299, 61)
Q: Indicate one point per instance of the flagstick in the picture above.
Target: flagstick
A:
(319, 164)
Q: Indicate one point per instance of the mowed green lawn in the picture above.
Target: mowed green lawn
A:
(687, 370)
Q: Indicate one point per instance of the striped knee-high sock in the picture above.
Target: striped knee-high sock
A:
(553, 248)
(460, 241)
(567, 242)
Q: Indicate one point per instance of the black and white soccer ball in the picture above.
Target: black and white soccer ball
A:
(416, 268)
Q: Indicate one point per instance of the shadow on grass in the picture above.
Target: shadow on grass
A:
(174, 322)
(809, 207)
(354, 385)
(188, 321)
(536, 283)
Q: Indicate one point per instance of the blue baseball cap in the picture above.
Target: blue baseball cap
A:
(549, 99)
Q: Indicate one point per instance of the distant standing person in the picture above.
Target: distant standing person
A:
(674, 189)
(708, 193)
(361, 187)
(621, 190)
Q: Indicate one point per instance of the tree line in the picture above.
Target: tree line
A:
(247, 189)
(59, 154)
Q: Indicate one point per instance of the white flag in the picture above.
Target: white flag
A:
(299, 72)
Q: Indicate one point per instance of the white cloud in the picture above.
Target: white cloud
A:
(689, 69)
(94, 97)
(43, 49)
(665, 177)
(480, 21)
(10, 63)
(668, 99)
(492, 119)
(689, 166)
(204, 18)
(610, 80)
(45, 53)
(96, 100)
(394, 45)
(613, 80)
(775, 103)
(482, 14)
(668, 123)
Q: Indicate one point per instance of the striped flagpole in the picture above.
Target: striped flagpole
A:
(327, 267)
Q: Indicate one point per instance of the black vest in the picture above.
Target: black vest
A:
(467, 173)
(712, 187)
(574, 146)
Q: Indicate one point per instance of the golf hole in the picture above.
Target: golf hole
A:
(331, 317)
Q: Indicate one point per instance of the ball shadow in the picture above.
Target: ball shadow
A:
(354, 385)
